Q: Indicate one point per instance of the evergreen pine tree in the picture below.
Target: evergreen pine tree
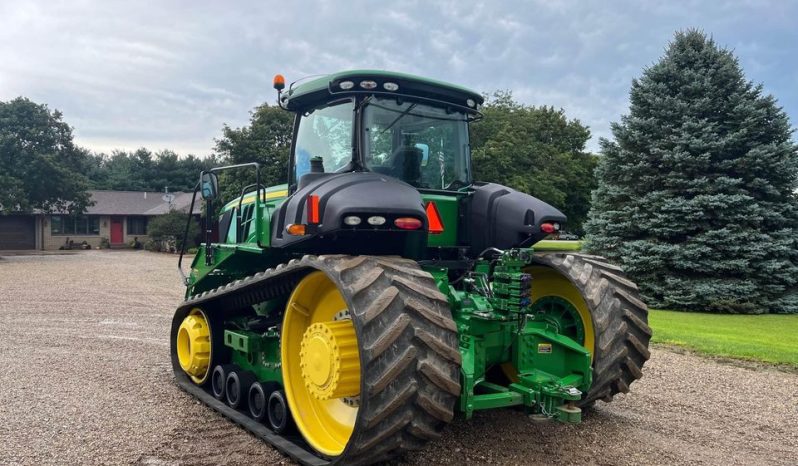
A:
(697, 192)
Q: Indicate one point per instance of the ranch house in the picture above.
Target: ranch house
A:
(118, 216)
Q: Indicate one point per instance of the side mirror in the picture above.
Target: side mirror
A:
(209, 185)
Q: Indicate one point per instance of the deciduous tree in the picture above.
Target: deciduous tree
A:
(537, 150)
(266, 140)
(40, 166)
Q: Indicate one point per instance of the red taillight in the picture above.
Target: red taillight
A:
(313, 208)
(434, 218)
(547, 228)
(408, 223)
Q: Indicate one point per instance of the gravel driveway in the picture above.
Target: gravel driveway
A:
(84, 368)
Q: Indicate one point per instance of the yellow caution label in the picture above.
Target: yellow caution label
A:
(544, 347)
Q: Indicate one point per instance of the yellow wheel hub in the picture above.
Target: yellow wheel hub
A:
(320, 364)
(548, 282)
(329, 360)
(194, 346)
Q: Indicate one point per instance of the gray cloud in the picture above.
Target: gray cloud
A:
(169, 74)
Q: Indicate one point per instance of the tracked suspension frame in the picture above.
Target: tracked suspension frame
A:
(511, 352)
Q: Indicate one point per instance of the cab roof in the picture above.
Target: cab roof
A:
(319, 90)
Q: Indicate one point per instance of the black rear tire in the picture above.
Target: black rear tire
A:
(620, 321)
(409, 354)
(408, 350)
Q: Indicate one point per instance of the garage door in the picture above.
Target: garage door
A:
(17, 232)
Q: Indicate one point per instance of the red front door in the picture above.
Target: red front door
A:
(116, 231)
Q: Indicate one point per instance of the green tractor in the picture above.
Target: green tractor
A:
(349, 315)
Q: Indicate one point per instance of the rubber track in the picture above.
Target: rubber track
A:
(620, 321)
(408, 347)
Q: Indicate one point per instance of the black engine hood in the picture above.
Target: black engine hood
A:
(503, 218)
(355, 193)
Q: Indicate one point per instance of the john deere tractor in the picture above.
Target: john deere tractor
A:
(349, 315)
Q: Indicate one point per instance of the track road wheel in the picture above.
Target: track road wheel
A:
(370, 359)
(218, 379)
(596, 305)
(277, 412)
(193, 344)
(256, 401)
(236, 388)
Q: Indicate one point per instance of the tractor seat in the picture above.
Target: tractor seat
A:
(407, 164)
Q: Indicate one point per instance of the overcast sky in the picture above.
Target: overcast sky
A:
(169, 75)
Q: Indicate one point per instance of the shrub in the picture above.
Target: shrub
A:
(168, 231)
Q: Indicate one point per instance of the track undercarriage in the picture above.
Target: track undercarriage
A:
(421, 355)
(411, 393)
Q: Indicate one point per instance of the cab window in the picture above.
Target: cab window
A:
(326, 133)
(423, 145)
(232, 230)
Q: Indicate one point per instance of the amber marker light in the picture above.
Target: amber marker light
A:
(279, 82)
(295, 229)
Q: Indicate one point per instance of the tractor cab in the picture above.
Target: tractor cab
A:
(405, 127)
(399, 127)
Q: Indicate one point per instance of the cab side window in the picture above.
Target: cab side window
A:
(237, 229)
(224, 225)
(232, 231)
(247, 219)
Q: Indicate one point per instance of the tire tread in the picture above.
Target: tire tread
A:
(620, 321)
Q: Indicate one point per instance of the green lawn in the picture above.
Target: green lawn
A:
(767, 338)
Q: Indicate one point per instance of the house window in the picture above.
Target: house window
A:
(137, 225)
(74, 225)
(56, 225)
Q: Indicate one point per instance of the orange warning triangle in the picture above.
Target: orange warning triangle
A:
(434, 219)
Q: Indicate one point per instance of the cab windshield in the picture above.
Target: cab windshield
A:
(325, 133)
(425, 146)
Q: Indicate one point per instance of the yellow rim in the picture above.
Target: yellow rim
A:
(321, 364)
(548, 282)
(194, 346)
